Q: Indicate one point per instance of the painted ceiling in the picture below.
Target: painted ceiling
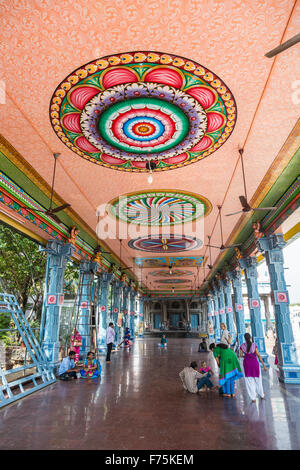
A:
(114, 85)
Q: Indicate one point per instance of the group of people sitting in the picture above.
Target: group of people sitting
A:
(223, 369)
(90, 368)
(70, 366)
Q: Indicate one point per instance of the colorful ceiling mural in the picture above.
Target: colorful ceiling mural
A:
(123, 110)
(166, 261)
(174, 272)
(163, 243)
(159, 207)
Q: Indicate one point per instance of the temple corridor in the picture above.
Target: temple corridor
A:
(139, 403)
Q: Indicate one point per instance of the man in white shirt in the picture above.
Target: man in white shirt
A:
(110, 337)
(192, 380)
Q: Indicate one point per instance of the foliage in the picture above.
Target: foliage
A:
(22, 268)
(71, 278)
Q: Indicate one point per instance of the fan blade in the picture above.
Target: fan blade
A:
(233, 213)
(213, 246)
(54, 217)
(60, 208)
(37, 210)
(264, 208)
(244, 203)
(209, 266)
(282, 47)
(128, 267)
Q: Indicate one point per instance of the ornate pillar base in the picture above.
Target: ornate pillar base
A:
(51, 350)
(290, 368)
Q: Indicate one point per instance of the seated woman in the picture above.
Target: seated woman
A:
(163, 342)
(126, 339)
(91, 367)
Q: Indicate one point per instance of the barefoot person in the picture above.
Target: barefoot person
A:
(193, 380)
(253, 378)
(67, 369)
(230, 369)
(91, 367)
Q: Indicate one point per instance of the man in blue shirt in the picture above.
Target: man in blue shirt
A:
(67, 369)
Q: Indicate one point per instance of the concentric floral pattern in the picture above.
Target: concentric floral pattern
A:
(164, 243)
(120, 111)
(159, 207)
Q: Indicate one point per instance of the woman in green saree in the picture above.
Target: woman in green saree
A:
(230, 369)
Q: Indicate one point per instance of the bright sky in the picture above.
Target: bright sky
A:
(291, 255)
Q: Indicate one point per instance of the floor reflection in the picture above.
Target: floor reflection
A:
(141, 388)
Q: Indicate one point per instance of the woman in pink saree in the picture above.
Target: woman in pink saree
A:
(76, 342)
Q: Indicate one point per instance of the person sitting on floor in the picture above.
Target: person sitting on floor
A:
(67, 369)
(205, 369)
(203, 346)
(193, 380)
(163, 342)
(91, 367)
(126, 339)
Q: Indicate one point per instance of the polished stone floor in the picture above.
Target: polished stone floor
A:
(140, 404)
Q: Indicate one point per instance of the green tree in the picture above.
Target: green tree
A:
(22, 269)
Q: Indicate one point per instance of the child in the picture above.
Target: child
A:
(204, 369)
(163, 342)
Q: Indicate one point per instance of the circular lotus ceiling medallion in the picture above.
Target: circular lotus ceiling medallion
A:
(172, 281)
(124, 110)
(163, 243)
(159, 208)
(175, 272)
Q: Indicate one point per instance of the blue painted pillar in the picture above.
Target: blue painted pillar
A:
(105, 280)
(87, 270)
(125, 305)
(116, 308)
(288, 362)
(236, 279)
(210, 310)
(226, 286)
(220, 294)
(58, 256)
(133, 295)
(141, 317)
(249, 265)
(216, 315)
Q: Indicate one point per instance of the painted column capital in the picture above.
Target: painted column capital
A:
(106, 277)
(88, 267)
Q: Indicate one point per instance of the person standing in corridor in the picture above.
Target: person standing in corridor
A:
(110, 337)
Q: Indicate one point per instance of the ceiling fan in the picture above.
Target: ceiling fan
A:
(209, 265)
(243, 199)
(222, 247)
(282, 47)
(52, 212)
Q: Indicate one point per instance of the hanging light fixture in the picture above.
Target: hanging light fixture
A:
(173, 290)
(150, 165)
(170, 269)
